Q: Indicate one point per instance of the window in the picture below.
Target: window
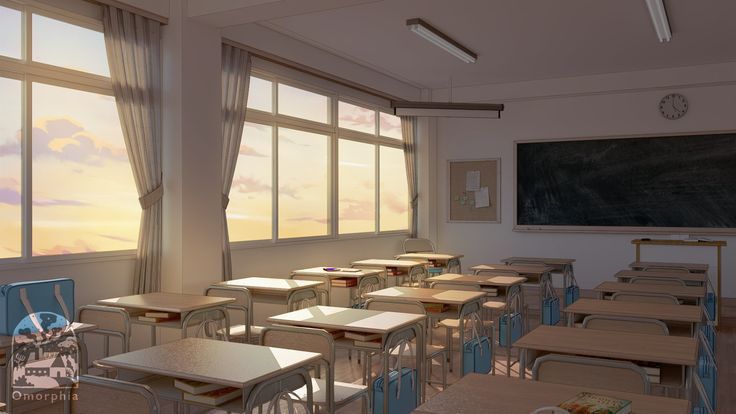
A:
(324, 163)
(81, 197)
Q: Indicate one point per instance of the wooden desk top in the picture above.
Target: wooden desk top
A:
(522, 269)
(383, 263)
(687, 277)
(549, 261)
(692, 267)
(476, 393)
(424, 295)
(6, 341)
(430, 256)
(342, 272)
(166, 302)
(674, 350)
(271, 285)
(687, 242)
(348, 319)
(662, 311)
(683, 292)
(485, 280)
(218, 362)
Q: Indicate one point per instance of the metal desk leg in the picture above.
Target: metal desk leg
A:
(522, 363)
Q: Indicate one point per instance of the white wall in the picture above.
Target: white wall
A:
(595, 106)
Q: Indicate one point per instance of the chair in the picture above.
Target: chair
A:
(245, 332)
(625, 324)
(432, 351)
(644, 280)
(302, 299)
(416, 277)
(591, 372)
(328, 393)
(96, 394)
(645, 297)
(111, 322)
(418, 246)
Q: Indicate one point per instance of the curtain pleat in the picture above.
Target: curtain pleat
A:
(133, 45)
(236, 65)
(408, 133)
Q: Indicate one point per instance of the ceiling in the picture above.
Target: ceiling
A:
(515, 41)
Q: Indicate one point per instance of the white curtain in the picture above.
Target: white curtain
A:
(408, 133)
(236, 64)
(133, 46)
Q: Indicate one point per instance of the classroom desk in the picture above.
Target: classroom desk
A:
(325, 276)
(690, 293)
(413, 269)
(187, 306)
(476, 393)
(699, 279)
(691, 267)
(391, 326)
(464, 301)
(536, 273)
(450, 261)
(218, 362)
(560, 265)
(671, 350)
(272, 290)
(665, 312)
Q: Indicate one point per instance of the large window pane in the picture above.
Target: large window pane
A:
(84, 197)
(260, 94)
(394, 192)
(10, 32)
(249, 212)
(390, 126)
(357, 186)
(303, 104)
(62, 44)
(10, 167)
(356, 118)
(304, 180)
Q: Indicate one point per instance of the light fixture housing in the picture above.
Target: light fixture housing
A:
(659, 19)
(447, 109)
(441, 40)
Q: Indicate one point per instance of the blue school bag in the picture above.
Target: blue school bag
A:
(550, 308)
(402, 394)
(477, 352)
(36, 302)
(516, 327)
(572, 292)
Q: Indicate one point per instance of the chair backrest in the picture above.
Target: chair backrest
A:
(418, 245)
(668, 281)
(591, 372)
(110, 321)
(624, 324)
(389, 305)
(302, 299)
(454, 286)
(645, 297)
(510, 272)
(665, 268)
(97, 394)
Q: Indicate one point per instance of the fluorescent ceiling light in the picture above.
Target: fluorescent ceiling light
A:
(447, 109)
(440, 39)
(659, 19)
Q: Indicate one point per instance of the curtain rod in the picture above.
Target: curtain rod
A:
(310, 70)
(132, 9)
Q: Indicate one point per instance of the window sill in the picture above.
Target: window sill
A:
(66, 260)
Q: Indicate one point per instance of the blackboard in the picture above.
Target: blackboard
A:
(678, 183)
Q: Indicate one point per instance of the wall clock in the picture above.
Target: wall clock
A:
(673, 106)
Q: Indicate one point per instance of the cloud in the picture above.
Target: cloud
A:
(11, 147)
(117, 238)
(250, 185)
(53, 202)
(290, 191)
(9, 196)
(352, 209)
(358, 118)
(250, 151)
(80, 246)
(320, 221)
(65, 140)
(395, 203)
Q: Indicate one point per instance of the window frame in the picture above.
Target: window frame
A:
(335, 133)
(29, 72)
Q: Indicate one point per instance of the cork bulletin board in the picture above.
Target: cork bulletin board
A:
(475, 190)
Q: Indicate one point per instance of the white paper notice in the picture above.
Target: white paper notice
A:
(481, 198)
(472, 181)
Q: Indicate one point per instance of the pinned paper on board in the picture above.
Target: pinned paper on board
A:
(482, 198)
(472, 181)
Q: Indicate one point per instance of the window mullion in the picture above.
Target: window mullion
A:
(378, 188)
(27, 171)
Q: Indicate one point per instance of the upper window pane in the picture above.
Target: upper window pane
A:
(390, 126)
(304, 182)
(84, 197)
(10, 32)
(63, 44)
(356, 118)
(260, 94)
(303, 104)
(357, 186)
(10, 168)
(394, 191)
(249, 212)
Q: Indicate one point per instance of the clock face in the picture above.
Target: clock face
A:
(673, 106)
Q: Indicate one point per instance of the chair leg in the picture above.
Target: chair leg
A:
(449, 347)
